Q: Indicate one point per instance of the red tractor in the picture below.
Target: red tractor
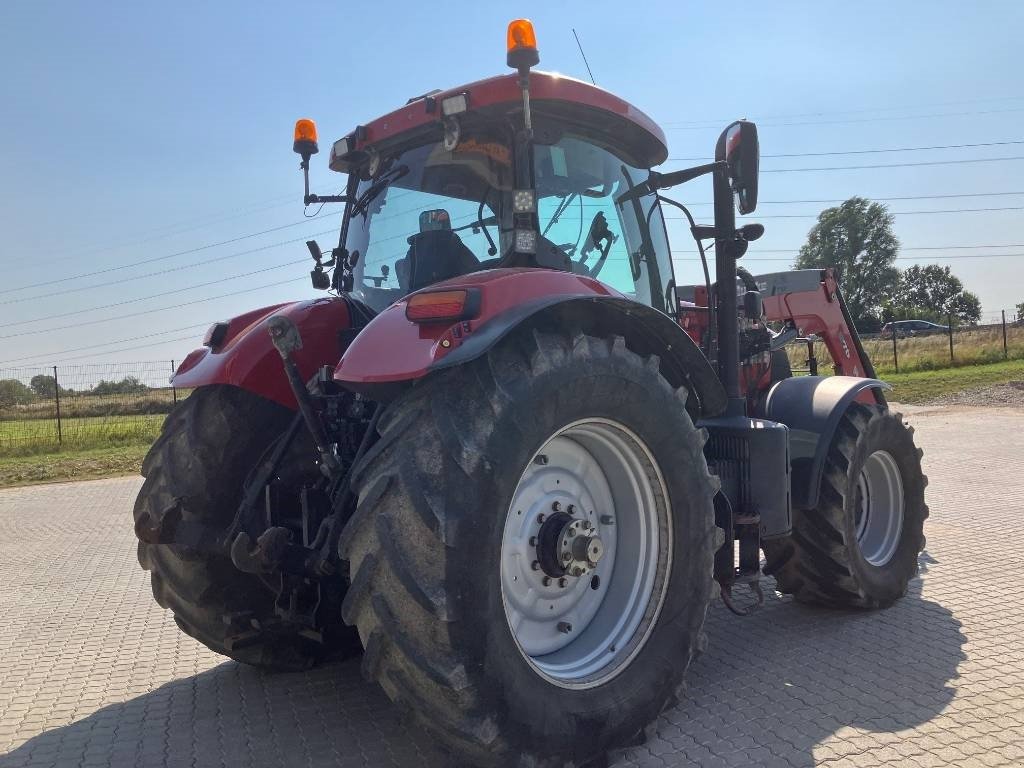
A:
(507, 455)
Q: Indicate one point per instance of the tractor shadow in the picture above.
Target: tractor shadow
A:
(771, 686)
(774, 685)
(234, 715)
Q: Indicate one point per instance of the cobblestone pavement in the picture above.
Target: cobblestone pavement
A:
(92, 672)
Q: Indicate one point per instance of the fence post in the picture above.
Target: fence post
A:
(56, 395)
(895, 359)
(949, 321)
(1006, 353)
(174, 391)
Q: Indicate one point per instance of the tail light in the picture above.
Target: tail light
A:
(443, 306)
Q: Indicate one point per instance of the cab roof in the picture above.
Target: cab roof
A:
(594, 111)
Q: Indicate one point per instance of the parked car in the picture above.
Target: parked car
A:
(904, 328)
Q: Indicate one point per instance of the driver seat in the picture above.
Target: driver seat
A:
(433, 256)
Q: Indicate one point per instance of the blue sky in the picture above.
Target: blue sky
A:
(137, 130)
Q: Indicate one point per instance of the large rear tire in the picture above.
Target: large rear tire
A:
(859, 547)
(197, 467)
(467, 466)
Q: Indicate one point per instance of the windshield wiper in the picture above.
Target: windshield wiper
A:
(563, 204)
(361, 205)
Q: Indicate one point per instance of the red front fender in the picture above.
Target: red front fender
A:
(247, 358)
(392, 349)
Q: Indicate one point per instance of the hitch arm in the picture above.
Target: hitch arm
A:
(286, 338)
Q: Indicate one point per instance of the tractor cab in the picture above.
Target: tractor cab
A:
(443, 206)
(520, 170)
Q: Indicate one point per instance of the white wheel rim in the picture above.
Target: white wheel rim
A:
(878, 519)
(609, 478)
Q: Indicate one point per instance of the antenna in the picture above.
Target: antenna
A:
(580, 46)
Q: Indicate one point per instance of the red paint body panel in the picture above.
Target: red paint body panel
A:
(504, 89)
(391, 348)
(247, 358)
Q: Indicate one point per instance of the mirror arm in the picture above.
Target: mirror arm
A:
(656, 181)
(666, 180)
(311, 199)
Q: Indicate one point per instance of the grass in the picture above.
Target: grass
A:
(75, 405)
(39, 436)
(922, 386)
(75, 464)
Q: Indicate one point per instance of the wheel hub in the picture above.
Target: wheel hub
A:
(580, 548)
(568, 546)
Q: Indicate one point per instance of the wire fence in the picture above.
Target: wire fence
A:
(913, 345)
(85, 406)
(46, 408)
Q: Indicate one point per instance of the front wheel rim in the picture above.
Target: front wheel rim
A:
(878, 519)
(581, 627)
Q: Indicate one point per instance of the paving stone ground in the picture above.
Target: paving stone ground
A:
(93, 673)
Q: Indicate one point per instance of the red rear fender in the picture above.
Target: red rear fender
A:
(246, 357)
(393, 349)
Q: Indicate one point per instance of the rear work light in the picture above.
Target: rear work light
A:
(454, 105)
(443, 306)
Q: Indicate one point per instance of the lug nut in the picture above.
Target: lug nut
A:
(555, 506)
(546, 581)
(541, 518)
(564, 627)
(571, 509)
(535, 565)
(540, 459)
(566, 556)
(577, 571)
(607, 520)
(562, 582)
(533, 541)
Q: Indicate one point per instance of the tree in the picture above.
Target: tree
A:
(43, 385)
(933, 293)
(856, 239)
(129, 385)
(14, 392)
(965, 306)
(1020, 311)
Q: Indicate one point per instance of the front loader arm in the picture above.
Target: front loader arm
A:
(811, 300)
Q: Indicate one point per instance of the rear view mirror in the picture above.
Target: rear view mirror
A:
(739, 148)
(434, 220)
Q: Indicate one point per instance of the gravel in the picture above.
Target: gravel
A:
(1010, 394)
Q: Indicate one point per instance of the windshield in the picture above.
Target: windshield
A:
(443, 214)
(428, 214)
(625, 246)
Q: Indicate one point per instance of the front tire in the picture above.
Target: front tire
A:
(859, 547)
(446, 497)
